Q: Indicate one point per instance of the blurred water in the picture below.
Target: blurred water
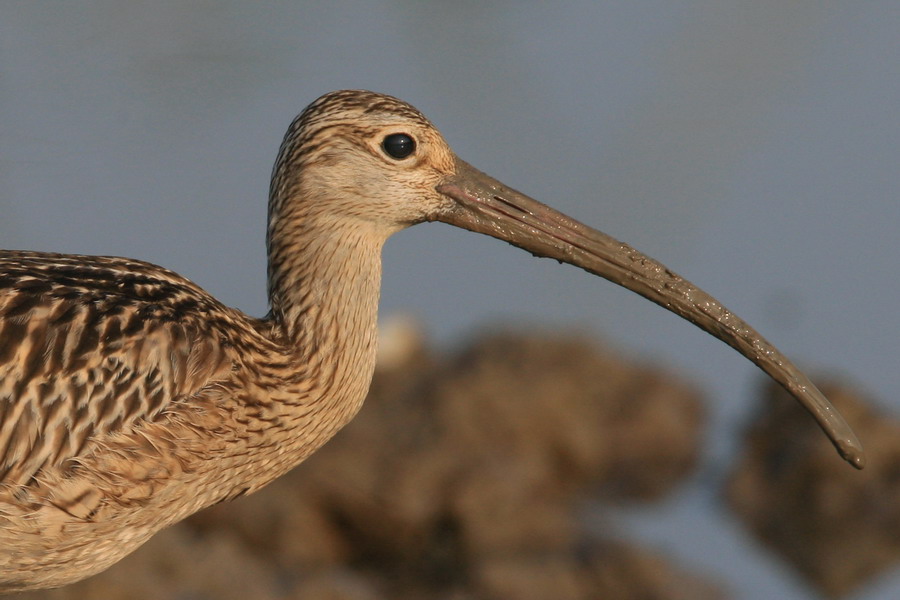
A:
(750, 146)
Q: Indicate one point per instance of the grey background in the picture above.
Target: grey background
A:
(751, 146)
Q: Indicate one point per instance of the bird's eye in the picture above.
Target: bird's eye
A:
(399, 145)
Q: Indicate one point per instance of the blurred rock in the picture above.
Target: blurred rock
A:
(460, 479)
(621, 570)
(835, 525)
(607, 570)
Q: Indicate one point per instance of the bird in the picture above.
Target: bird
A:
(130, 398)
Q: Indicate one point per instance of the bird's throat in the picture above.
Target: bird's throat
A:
(324, 298)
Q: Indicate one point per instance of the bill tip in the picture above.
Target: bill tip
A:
(855, 456)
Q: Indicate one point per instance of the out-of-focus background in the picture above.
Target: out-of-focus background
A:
(751, 147)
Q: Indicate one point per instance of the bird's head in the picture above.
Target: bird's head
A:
(375, 163)
(362, 157)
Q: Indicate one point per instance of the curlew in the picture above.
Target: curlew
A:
(130, 398)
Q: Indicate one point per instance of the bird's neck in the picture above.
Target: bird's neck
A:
(324, 286)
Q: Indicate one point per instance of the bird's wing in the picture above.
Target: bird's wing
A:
(90, 346)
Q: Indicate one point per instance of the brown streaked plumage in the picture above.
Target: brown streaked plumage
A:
(130, 398)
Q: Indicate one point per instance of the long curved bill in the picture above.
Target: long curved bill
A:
(484, 205)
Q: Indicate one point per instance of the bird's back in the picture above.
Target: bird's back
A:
(100, 358)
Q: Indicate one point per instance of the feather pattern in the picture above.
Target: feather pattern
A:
(90, 346)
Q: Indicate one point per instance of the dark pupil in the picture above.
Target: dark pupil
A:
(398, 145)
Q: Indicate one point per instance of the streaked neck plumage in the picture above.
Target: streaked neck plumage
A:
(324, 288)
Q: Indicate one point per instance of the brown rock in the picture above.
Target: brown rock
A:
(581, 416)
(336, 584)
(608, 570)
(502, 511)
(530, 578)
(835, 525)
(618, 570)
